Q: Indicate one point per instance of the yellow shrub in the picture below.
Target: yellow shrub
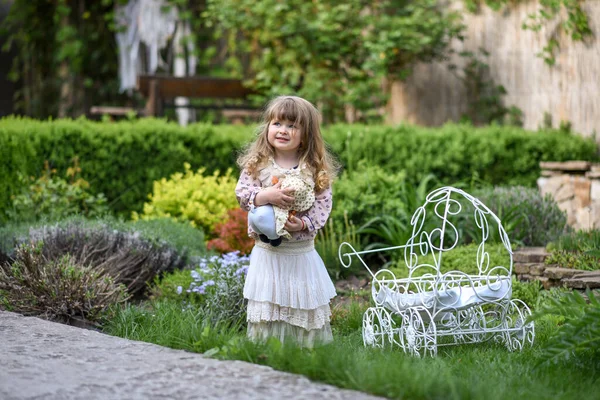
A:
(192, 197)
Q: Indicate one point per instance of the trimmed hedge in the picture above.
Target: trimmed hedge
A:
(122, 159)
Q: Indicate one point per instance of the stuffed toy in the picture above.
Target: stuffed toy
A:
(268, 221)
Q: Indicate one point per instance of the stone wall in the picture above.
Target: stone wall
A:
(530, 265)
(568, 91)
(575, 185)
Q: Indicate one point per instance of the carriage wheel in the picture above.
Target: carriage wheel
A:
(416, 337)
(377, 327)
(517, 331)
(477, 324)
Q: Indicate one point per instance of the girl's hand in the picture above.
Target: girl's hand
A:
(276, 196)
(293, 224)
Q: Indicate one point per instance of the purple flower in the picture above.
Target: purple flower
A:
(243, 270)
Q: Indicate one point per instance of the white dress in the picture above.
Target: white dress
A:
(288, 287)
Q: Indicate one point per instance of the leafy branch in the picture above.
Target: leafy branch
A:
(580, 332)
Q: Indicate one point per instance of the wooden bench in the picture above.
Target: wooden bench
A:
(160, 92)
(159, 89)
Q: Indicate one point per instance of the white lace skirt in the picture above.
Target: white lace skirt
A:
(288, 291)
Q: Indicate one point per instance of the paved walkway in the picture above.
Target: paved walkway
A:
(46, 360)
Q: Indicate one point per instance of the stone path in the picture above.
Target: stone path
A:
(46, 360)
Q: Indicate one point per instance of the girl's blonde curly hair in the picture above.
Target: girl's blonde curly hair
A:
(312, 150)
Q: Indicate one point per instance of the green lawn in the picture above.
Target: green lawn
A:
(483, 371)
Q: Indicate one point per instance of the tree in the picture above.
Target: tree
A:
(335, 54)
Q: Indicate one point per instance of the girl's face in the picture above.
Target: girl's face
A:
(284, 135)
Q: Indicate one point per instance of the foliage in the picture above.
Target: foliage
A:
(333, 53)
(574, 21)
(376, 189)
(122, 255)
(166, 323)
(183, 237)
(54, 197)
(579, 335)
(214, 288)
(327, 243)
(232, 234)
(499, 155)
(63, 51)
(393, 228)
(217, 287)
(579, 250)
(528, 217)
(461, 258)
(186, 240)
(59, 289)
(201, 200)
(114, 156)
(528, 292)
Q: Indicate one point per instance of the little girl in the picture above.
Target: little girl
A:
(287, 286)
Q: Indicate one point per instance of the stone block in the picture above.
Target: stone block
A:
(550, 185)
(584, 280)
(582, 189)
(589, 174)
(521, 269)
(565, 192)
(595, 190)
(571, 166)
(583, 219)
(537, 269)
(558, 273)
(568, 207)
(595, 215)
(525, 278)
(530, 255)
(549, 173)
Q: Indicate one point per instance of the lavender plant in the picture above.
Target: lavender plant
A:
(217, 286)
(528, 217)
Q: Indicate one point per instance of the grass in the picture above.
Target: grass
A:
(483, 371)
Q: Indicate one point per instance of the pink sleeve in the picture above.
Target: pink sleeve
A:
(316, 216)
(246, 190)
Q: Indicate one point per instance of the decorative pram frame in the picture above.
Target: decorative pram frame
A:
(431, 308)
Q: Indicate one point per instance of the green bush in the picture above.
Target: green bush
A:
(579, 250)
(528, 292)
(528, 218)
(378, 191)
(54, 197)
(122, 255)
(215, 287)
(59, 289)
(327, 243)
(187, 241)
(123, 159)
(461, 258)
(579, 334)
(498, 155)
(192, 197)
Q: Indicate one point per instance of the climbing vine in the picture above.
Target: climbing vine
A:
(574, 21)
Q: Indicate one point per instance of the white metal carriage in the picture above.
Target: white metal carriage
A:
(434, 306)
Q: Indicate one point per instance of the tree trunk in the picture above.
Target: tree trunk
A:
(66, 86)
